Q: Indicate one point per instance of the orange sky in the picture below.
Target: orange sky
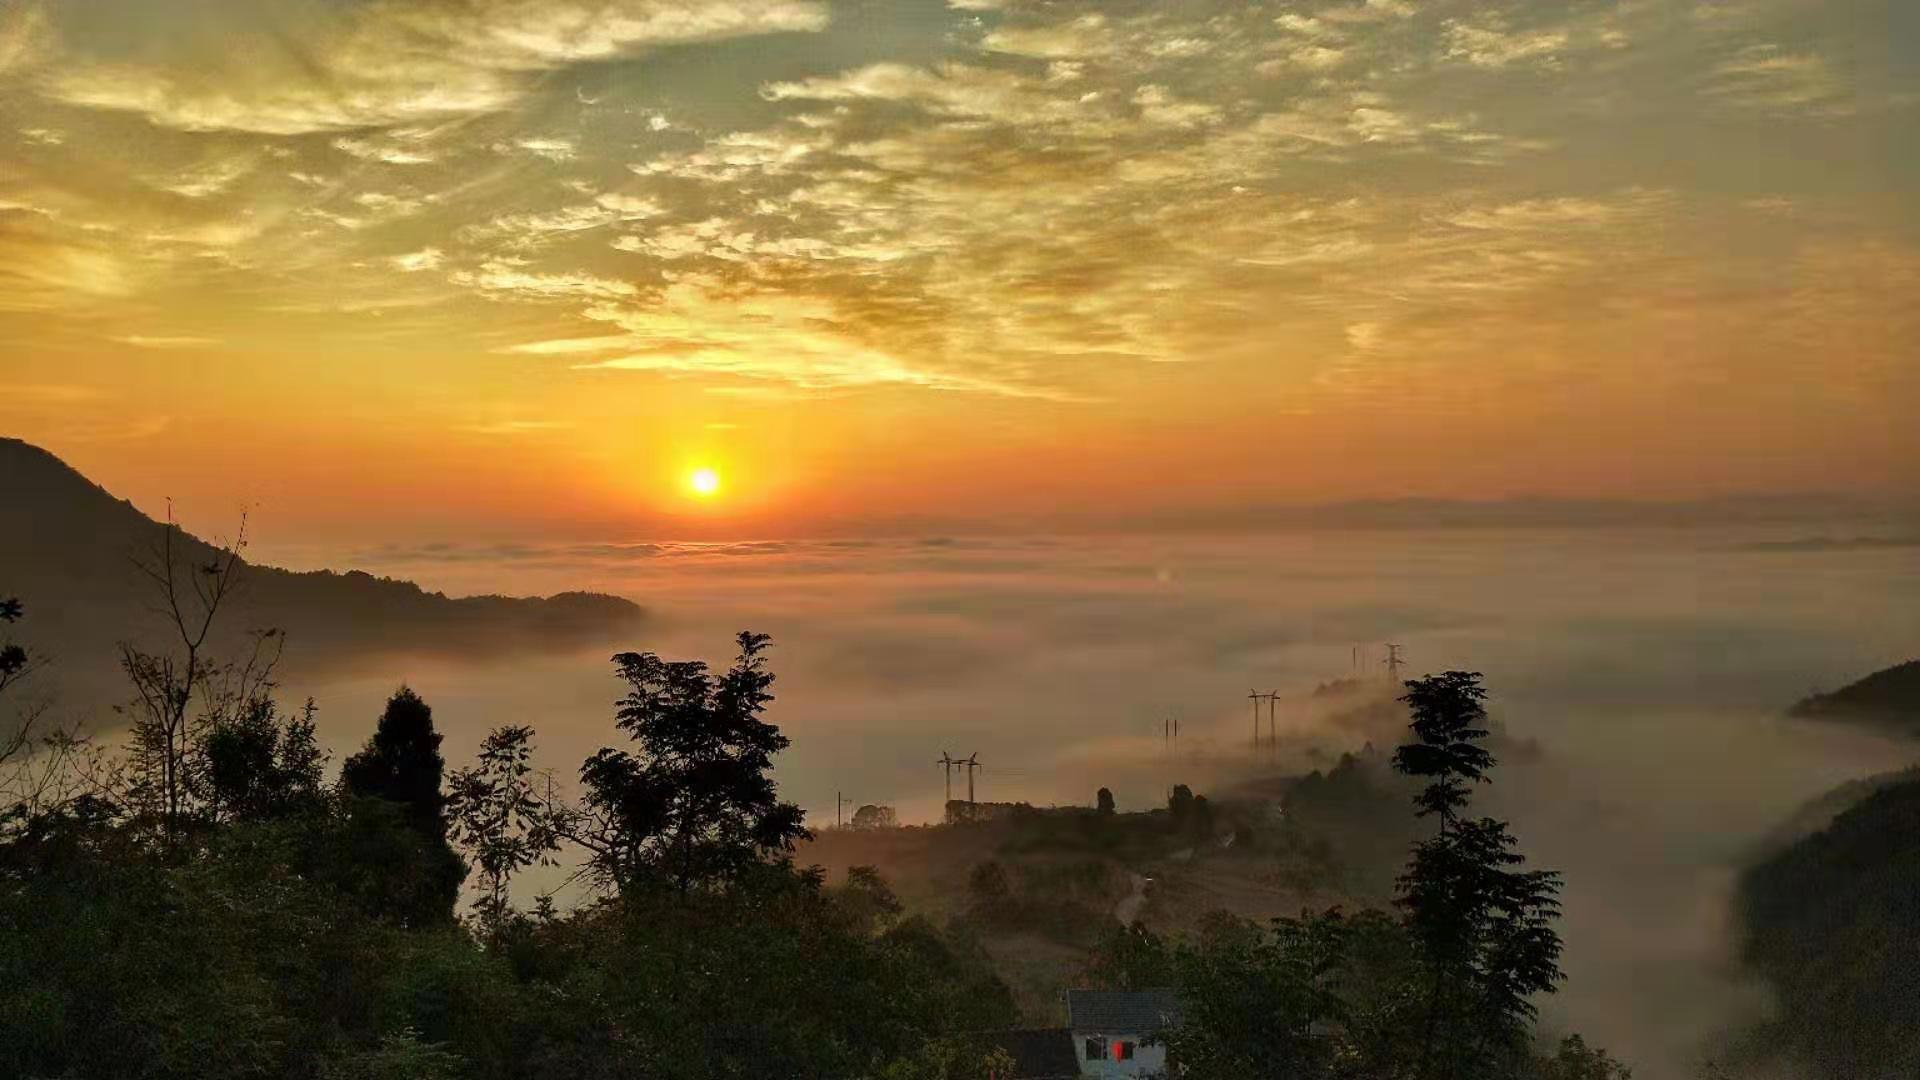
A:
(397, 266)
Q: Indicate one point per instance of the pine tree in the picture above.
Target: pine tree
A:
(1484, 926)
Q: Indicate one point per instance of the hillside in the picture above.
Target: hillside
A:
(67, 550)
(1886, 699)
(1831, 923)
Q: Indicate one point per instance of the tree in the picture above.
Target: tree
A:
(35, 757)
(401, 762)
(1575, 1060)
(501, 819)
(1131, 958)
(1103, 801)
(694, 804)
(868, 900)
(1483, 926)
(1180, 805)
(257, 765)
(400, 769)
(1257, 1001)
(166, 728)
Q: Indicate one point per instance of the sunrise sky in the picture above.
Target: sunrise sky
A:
(410, 267)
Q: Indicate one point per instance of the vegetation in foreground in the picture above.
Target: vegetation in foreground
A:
(205, 902)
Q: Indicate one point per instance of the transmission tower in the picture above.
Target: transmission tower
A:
(948, 760)
(1394, 663)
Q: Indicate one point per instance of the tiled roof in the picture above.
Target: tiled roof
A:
(1122, 1012)
(1037, 1053)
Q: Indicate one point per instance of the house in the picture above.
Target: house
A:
(1036, 1053)
(1111, 1029)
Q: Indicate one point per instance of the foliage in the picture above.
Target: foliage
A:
(288, 943)
(1485, 928)
(694, 806)
(1440, 991)
(1832, 924)
(1103, 801)
(401, 763)
(258, 765)
(500, 819)
(1575, 1060)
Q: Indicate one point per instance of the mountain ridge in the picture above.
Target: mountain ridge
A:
(1888, 699)
(68, 548)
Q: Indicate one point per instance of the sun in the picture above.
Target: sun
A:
(703, 482)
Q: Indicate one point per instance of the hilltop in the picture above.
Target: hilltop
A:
(67, 550)
(1887, 699)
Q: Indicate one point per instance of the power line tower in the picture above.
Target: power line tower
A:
(971, 764)
(840, 802)
(948, 760)
(1394, 663)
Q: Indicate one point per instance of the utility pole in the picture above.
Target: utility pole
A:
(971, 764)
(1273, 723)
(1394, 663)
(1256, 697)
(839, 802)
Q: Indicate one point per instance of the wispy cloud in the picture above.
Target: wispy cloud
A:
(168, 341)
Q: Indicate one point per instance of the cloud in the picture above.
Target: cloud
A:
(1085, 36)
(415, 261)
(210, 178)
(548, 147)
(501, 279)
(396, 61)
(1768, 79)
(1491, 46)
(161, 341)
(389, 149)
(511, 428)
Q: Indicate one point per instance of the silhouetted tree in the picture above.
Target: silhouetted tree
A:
(501, 819)
(258, 765)
(399, 770)
(167, 729)
(1484, 927)
(1131, 958)
(1180, 805)
(694, 804)
(1103, 801)
(1255, 1000)
(869, 901)
(401, 763)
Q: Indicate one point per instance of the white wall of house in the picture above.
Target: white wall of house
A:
(1146, 1060)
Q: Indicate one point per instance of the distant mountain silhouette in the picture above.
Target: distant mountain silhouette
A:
(1885, 699)
(67, 548)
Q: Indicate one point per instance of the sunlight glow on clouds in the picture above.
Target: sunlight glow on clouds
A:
(1327, 207)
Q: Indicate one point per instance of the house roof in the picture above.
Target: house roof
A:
(1141, 1012)
(1037, 1053)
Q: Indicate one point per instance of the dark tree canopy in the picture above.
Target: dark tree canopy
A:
(693, 803)
(399, 772)
(1483, 925)
(1103, 801)
(401, 763)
